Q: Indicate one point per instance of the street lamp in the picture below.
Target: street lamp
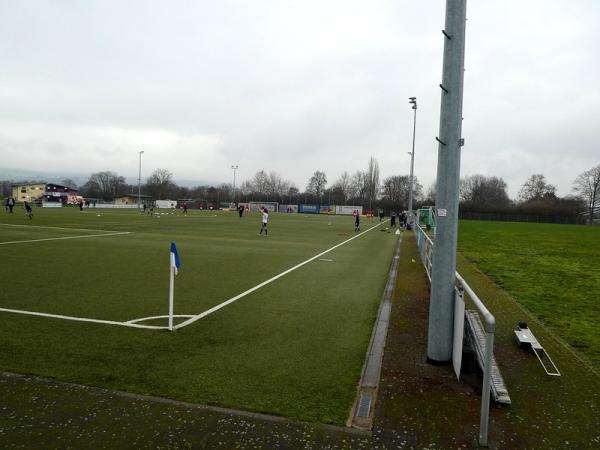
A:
(236, 167)
(413, 102)
(140, 178)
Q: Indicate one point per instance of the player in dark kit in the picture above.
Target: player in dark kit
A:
(28, 210)
(357, 222)
(10, 204)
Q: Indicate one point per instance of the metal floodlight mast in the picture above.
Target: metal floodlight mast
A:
(441, 306)
(413, 102)
(234, 167)
(140, 179)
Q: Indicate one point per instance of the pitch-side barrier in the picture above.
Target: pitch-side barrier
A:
(492, 380)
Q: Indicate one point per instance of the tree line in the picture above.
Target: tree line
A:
(478, 193)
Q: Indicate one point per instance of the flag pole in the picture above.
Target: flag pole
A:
(171, 290)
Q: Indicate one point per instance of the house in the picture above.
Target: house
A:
(46, 192)
(132, 199)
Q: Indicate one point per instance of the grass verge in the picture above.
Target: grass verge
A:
(552, 270)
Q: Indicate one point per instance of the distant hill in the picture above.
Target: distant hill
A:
(18, 175)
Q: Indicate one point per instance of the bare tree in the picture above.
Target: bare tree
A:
(484, 192)
(5, 188)
(246, 189)
(160, 184)
(263, 187)
(278, 187)
(106, 185)
(535, 188)
(587, 185)
(343, 184)
(372, 181)
(396, 189)
(69, 183)
(431, 192)
(260, 183)
(358, 185)
(225, 191)
(292, 192)
(316, 184)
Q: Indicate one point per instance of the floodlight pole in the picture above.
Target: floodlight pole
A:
(441, 307)
(413, 102)
(140, 178)
(234, 167)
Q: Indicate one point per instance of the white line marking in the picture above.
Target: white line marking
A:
(143, 319)
(67, 237)
(264, 283)
(56, 228)
(83, 319)
(133, 323)
(326, 260)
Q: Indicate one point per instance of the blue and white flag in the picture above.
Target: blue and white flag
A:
(174, 258)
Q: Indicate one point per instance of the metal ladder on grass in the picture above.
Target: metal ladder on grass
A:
(477, 334)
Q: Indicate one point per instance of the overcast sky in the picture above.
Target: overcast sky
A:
(294, 87)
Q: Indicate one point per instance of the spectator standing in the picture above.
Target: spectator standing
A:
(10, 203)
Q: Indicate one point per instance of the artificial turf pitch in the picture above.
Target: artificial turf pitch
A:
(294, 347)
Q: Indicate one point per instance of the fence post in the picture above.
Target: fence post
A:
(485, 390)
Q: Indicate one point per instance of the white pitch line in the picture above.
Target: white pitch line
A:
(55, 228)
(67, 237)
(83, 319)
(143, 319)
(270, 280)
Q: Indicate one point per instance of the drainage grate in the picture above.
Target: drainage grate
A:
(364, 405)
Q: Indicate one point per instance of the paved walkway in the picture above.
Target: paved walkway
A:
(37, 413)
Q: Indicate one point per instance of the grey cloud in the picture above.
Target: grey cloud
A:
(295, 87)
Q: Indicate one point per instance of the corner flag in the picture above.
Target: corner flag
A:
(174, 258)
(174, 266)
